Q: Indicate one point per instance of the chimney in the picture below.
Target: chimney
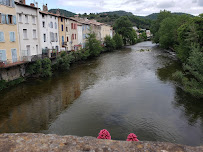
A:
(36, 4)
(58, 12)
(32, 4)
(45, 8)
(22, 1)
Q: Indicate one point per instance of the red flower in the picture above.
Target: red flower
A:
(104, 134)
(132, 137)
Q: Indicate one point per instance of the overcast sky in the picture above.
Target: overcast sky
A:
(137, 7)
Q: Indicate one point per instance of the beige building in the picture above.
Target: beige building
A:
(106, 30)
(9, 46)
(62, 32)
(72, 34)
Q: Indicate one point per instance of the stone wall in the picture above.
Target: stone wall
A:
(12, 73)
(40, 143)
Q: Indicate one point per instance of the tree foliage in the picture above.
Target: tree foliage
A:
(93, 45)
(123, 26)
(109, 43)
(118, 41)
(185, 35)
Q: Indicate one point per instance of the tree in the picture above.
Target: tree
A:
(118, 41)
(93, 45)
(123, 26)
(157, 23)
(109, 43)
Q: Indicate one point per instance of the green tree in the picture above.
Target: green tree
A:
(109, 43)
(143, 36)
(118, 41)
(46, 68)
(123, 26)
(157, 23)
(93, 45)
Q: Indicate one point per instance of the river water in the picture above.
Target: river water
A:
(123, 91)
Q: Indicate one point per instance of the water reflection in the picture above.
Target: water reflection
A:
(31, 107)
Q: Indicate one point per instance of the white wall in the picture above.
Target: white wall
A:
(30, 26)
(47, 29)
(80, 38)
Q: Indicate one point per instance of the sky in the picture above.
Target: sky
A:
(137, 7)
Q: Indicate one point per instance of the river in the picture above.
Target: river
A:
(122, 91)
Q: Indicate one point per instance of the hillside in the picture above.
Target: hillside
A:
(154, 15)
(63, 12)
(119, 13)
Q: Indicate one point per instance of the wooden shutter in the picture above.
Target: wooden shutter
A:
(1, 36)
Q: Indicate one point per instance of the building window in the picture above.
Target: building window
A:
(51, 24)
(44, 37)
(26, 18)
(51, 36)
(66, 29)
(34, 34)
(56, 37)
(71, 25)
(72, 36)
(61, 19)
(12, 37)
(67, 39)
(43, 24)
(10, 19)
(62, 27)
(20, 17)
(25, 33)
(42, 15)
(75, 36)
(33, 19)
(55, 25)
(2, 37)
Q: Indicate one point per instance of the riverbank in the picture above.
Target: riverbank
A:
(40, 142)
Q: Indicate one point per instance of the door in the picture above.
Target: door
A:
(14, 55)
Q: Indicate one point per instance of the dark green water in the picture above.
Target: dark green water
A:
(124, 91)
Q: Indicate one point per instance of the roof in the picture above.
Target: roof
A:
(17, 3)
(48, 13)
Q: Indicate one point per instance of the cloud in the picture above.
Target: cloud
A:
(167, 4)
(200, 2)
(137, 7)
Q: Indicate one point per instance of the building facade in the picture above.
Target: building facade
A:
(49, 32)
(72, 34)
(29, 33)
(62, 32)
(9, 46)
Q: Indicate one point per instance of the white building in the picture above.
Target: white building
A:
(80, 38)
(28, 29)
(49, 32)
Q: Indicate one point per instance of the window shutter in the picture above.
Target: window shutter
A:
(1, 36)
(14, 19)
(7, 19)
(4, 2)
(11, 39)
(3, 18)
(3, 57)
(13, 3)
(14, 38)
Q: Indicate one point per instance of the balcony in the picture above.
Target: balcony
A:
(64, 44)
